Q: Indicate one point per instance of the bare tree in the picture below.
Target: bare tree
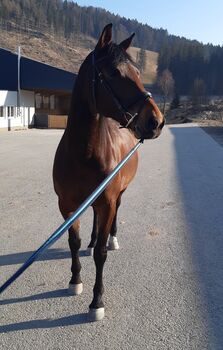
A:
(166, 85)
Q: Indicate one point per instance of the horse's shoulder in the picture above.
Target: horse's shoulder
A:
(118, 135)
(112, 144)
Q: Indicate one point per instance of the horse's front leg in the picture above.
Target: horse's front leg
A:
(75, 284)
(105, 217)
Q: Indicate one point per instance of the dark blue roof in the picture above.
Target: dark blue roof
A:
(34, 75)
(8, 70)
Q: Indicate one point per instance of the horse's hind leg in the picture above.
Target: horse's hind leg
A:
(94, 235)
(113, 242)
(106, 215)
(75, 284)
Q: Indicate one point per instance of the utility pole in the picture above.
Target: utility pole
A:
(18, 86)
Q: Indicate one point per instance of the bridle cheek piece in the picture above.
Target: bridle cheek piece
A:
(129, 117)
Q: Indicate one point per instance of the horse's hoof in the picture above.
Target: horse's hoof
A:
(90, 251)
(96, 314)
(113, 243)
(75, 289)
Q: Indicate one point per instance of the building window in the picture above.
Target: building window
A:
(46, 102)
(39, 100)
(1, 111)
(52, 102)
(11, 111)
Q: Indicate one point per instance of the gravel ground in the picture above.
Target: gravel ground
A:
(163, 288)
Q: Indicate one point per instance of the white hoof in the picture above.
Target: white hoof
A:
(89, 251)
(75, 289)
(96, 314)
(113, 243)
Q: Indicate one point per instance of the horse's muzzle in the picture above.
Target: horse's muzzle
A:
(152, 131)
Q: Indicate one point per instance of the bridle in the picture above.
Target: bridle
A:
(129, 117)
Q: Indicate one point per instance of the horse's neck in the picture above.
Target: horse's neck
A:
(89, 135)
(82, 128)
(92, 137)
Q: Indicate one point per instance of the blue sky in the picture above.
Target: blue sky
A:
(193, 19)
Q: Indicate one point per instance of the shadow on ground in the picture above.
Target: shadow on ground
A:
(50, 254)
(59, 293)
(216, 132)
(199, 163)
(46, 323)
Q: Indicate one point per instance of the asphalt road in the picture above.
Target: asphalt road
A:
(164, 287)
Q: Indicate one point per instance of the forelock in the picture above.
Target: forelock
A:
(118, 55)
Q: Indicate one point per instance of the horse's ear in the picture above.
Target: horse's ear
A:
(106, 36)
(127, 42)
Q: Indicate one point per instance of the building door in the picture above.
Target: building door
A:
(14, 117)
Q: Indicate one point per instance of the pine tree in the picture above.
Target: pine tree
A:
(141, 60)
(175, 102)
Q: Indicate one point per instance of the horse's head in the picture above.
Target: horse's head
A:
(117, 90)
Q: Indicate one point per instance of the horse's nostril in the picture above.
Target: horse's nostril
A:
(153, 123)
(156, 123)
(161, 125)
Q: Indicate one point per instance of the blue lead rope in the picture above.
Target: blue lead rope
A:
(67, 224)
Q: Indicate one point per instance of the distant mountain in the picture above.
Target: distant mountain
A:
(69, 19)
(63, 53)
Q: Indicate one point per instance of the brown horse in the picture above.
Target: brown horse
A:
(107, 94)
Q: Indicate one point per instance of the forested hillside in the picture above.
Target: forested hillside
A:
(67, 18)
(187, 60)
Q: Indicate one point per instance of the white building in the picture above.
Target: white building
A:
(30, 89)
(12, 116)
